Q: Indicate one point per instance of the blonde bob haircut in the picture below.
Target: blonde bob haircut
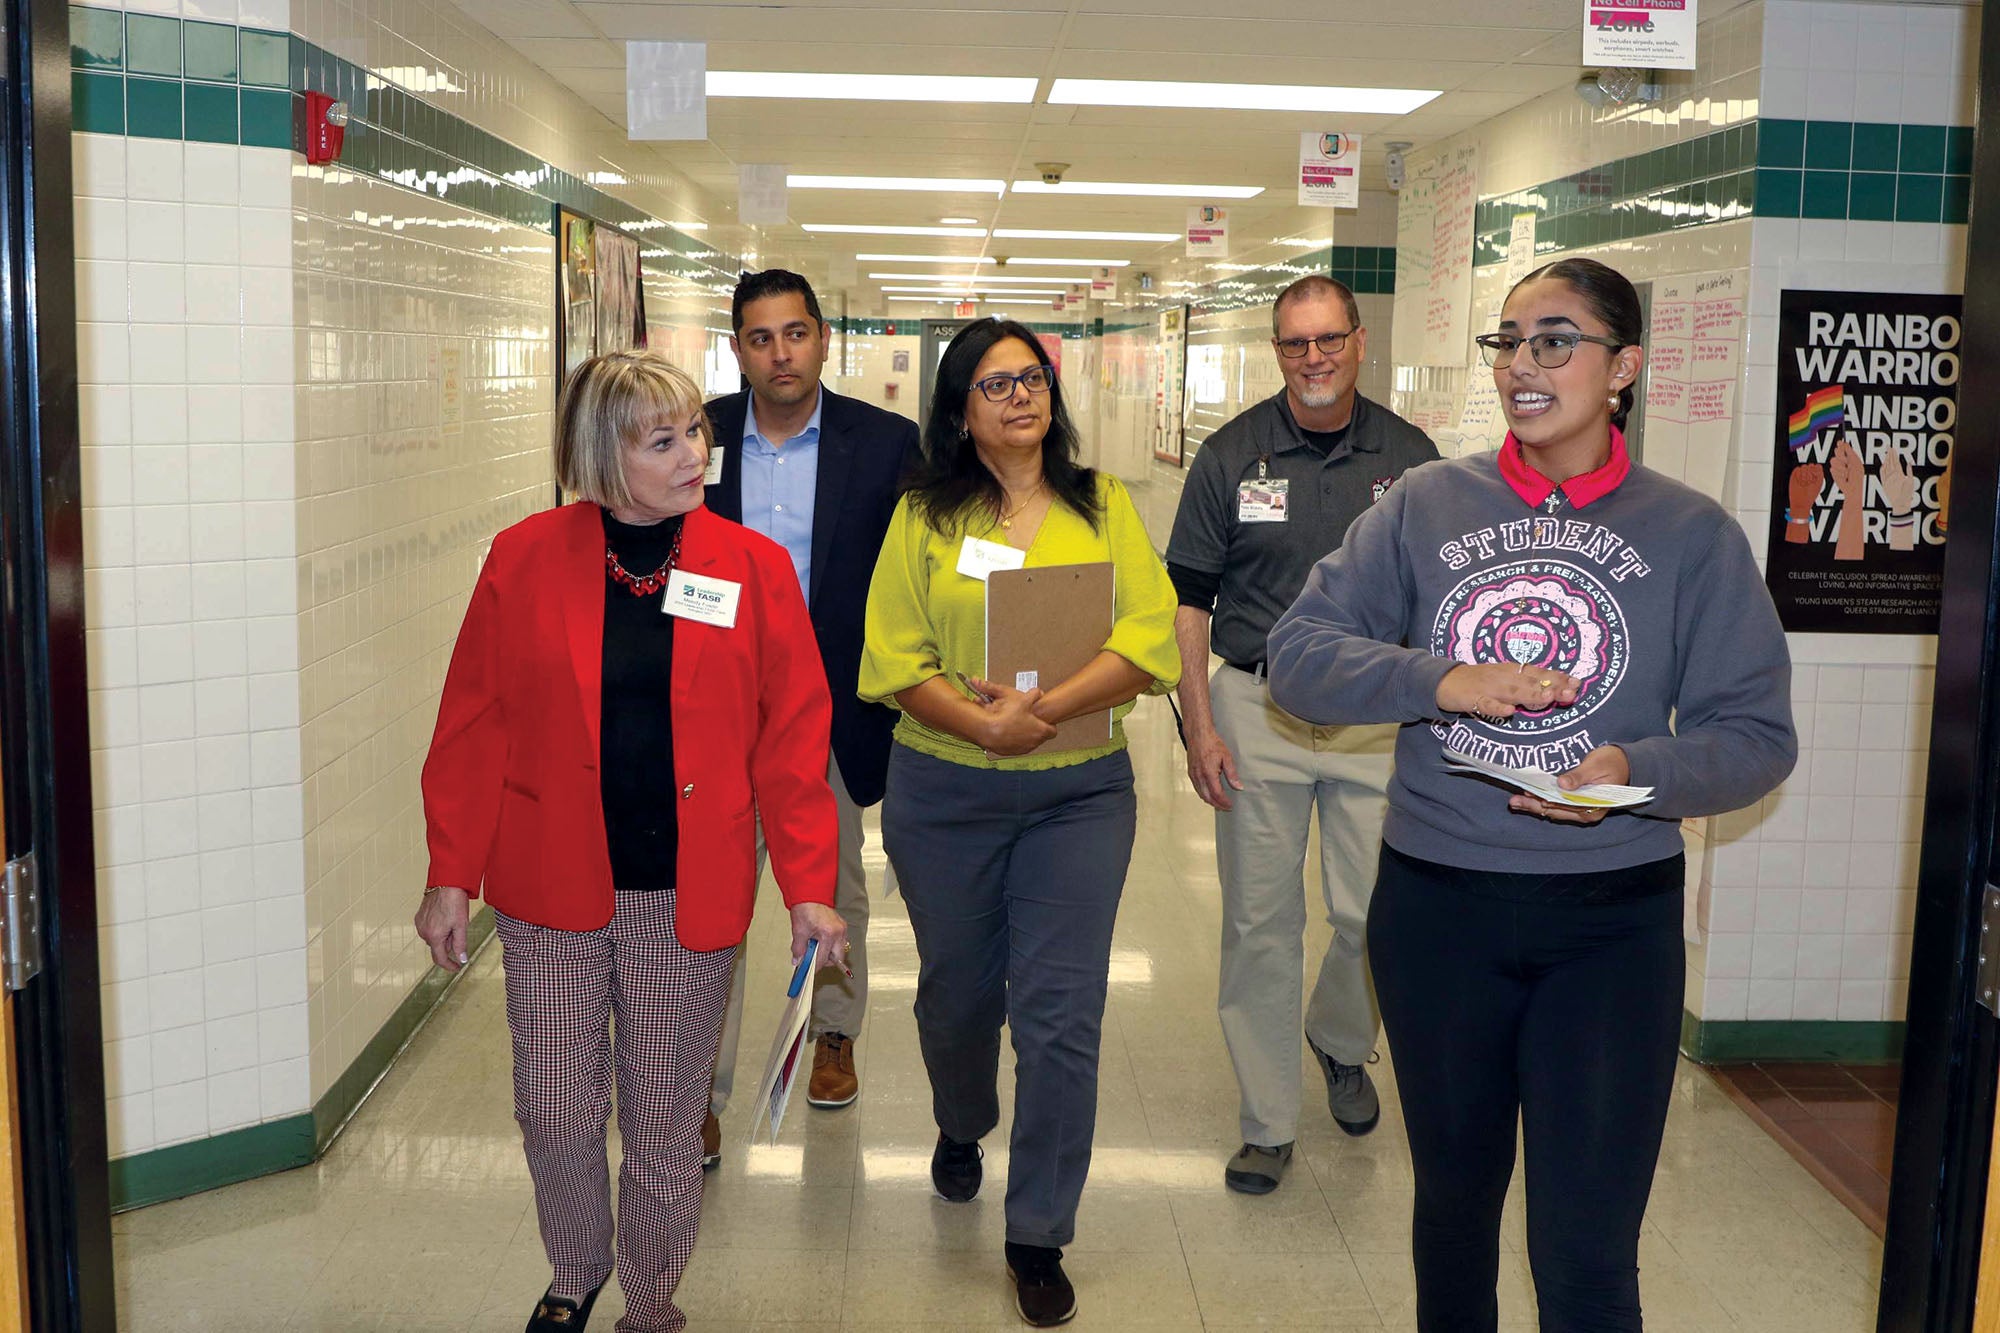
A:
(609, 402)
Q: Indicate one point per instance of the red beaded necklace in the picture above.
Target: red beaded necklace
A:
(651, 583)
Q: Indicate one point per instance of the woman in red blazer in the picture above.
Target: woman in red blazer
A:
(599, 772)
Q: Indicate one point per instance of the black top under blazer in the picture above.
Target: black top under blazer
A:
(864, 455)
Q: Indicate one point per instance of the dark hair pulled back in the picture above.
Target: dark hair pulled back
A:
(1610, 296)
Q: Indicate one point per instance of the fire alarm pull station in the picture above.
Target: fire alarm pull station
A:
(325, 128)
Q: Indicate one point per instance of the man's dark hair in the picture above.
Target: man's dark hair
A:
(1317, 284)
(771, 282)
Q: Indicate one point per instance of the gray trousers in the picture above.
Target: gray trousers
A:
(1012, 880)
(1289, 769)
(839, 1002)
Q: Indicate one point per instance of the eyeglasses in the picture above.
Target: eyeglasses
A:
(1329, 344)
(999, 388)
(1550, 350)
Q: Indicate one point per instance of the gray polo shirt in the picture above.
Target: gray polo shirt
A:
(1262, 566)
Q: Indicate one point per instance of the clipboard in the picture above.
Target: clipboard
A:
(1045, 624)
(781, 1069)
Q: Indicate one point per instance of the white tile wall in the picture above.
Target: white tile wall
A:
(176, 448)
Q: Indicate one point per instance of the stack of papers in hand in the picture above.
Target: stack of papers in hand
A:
(1542, 785)
(781, 1070)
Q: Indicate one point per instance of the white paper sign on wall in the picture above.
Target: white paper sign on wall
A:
(666, 90)
(1639, 34)
(762, 199)
(1329, 170)
(1207, 232)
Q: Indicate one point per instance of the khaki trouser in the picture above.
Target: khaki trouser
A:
(1290, 768)
(839, 1002)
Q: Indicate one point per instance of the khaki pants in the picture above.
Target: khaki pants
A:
(839, 1002)
(1289, 769)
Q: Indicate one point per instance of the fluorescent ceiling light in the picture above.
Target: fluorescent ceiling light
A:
(1139, 190)
(1237, 96)
(1071, 263)
(983, 279)
(988, 301)
(925, 300)
(851, 230)
(959, 222)
(869, 87)
(1037, 234)
(963, 290)
(932, 259)
(946, 183)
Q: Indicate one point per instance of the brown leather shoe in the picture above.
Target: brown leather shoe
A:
(833, 1081)
(711, 1142)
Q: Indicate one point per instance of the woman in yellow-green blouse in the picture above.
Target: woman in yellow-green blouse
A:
(1012, 867)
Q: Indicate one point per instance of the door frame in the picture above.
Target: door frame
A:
(57, 1029)
(1951, 1053)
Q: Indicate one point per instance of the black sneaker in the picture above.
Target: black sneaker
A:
(559, 1314)
(955, 1170)
(1042, 1293)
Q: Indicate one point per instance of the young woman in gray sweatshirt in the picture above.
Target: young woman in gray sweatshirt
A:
(1554, 606)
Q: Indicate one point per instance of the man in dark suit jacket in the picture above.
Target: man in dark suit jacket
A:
(819, 474)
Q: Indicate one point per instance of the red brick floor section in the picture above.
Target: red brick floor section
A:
(1839, 1121)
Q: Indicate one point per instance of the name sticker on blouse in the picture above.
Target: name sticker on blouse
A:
(701, 598)
(1262, 500)
(713, 476)
(977, 559)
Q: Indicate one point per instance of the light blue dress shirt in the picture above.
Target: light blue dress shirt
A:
(778, 487)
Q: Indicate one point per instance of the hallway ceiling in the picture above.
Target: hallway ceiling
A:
(1483, 68)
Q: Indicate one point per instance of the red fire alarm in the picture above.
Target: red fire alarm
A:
(325, 128)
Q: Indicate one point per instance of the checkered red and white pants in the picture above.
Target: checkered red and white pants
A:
(624, 1004)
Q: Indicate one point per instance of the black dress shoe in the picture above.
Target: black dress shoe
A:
(1042, 1293)
(559, 1314)
(955, 1170)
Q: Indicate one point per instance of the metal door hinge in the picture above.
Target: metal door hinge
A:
(20, 924)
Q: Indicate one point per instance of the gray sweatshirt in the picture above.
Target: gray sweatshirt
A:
(1647, 593)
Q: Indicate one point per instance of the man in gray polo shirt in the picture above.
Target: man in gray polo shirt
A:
(1267, 496)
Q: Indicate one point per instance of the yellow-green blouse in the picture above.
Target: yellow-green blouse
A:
(926, 619)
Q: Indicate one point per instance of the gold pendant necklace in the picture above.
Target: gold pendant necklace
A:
(1007, 516)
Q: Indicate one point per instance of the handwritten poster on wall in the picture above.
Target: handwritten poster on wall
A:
(1866, 414)
(1694, 362)
(1434, 220)
(1170, 386)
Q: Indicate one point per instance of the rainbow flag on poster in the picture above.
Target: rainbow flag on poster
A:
(1822, 411)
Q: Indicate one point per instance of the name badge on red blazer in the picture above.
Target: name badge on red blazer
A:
(698, 597)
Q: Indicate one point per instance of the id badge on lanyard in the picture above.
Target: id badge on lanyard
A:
(1262, 499)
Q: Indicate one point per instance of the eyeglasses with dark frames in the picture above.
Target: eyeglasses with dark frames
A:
(999, 388)
(1329, 344)
(1550, 350)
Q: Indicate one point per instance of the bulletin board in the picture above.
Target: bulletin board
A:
(600, 291)
(1434, 235)
(1170, 388)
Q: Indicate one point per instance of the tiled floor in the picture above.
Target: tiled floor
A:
(1839, 1121)
(419, 1219)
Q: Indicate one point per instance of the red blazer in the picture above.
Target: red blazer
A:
(511, 795)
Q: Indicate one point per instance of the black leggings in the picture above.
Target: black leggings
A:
(1557, 998)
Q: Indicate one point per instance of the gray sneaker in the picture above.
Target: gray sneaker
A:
(1256, 1170)
(1350, 1093)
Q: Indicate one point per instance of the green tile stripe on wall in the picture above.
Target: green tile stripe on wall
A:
(1762, 168)
(1788, 1039)
(1688, 184)
(1864, 171)
(279, 1145)
(157, 77)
